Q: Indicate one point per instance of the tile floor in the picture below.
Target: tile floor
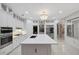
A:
(17, 51)
(58, 49)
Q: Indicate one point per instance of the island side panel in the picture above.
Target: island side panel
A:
(36, 49)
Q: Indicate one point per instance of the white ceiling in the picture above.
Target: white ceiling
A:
(55, 10)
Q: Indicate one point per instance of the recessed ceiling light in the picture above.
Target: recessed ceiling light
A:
(60, 12)
(27, 12)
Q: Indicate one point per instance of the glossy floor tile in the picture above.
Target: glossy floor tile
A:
(58, 49)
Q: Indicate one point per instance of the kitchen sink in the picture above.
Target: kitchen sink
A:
(33, 36)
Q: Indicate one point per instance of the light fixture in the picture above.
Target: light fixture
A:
(60, 12)
(44, 14)
(26, 12)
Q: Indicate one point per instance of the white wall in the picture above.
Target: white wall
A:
(29, 27)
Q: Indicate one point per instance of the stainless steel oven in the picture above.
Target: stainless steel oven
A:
(5, 36)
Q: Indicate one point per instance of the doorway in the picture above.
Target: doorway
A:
(35, 30)
(60, 30)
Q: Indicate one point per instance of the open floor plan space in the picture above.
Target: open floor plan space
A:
(39, 28)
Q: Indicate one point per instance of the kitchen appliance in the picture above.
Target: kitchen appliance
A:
(5, 36)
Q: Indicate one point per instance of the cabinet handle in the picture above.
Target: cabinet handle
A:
(35, 50)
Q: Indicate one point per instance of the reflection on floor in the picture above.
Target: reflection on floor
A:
(56, 49)
(17, 51)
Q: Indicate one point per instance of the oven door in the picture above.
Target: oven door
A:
(6, 29)
(4, 40)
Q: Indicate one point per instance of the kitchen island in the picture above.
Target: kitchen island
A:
(39, 44)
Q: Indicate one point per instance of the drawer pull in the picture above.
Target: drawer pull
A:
(35, 50)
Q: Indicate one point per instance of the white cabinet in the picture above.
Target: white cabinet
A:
(72, 36)
(41, 45)
(6, 50)
(18, 40)
(36, 49)
(8, 20)
(16, 43)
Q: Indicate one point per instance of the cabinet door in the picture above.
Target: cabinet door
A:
(14, 43)
(42, 50)
(41, 29)
(35, 49)
(27, 49)
(50, 31)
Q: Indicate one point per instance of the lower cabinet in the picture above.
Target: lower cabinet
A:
(6, 50)
(9, 48)
(35, 49)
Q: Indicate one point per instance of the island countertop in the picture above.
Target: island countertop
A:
(39, 39)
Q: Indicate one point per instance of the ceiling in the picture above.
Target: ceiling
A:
(55, 10)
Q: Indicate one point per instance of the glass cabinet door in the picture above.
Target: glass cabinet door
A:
(50, 30)
(69, 30)
(41, 29)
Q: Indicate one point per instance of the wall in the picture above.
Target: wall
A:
(28, 25)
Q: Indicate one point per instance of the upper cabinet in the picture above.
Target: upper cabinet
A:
(7, 20)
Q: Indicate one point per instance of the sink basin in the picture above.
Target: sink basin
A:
(33, 36)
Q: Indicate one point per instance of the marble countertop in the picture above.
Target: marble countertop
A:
(39, 39)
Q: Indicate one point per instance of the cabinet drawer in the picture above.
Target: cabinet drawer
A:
(35, 49)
